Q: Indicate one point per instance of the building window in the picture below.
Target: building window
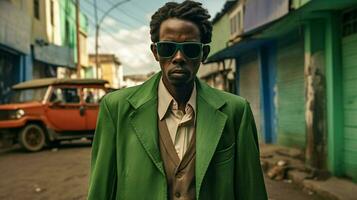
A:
(349, 22)
(52, 13)
(67, 32)
(36, 9)
(236, 24)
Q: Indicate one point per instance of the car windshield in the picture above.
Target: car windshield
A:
(27, 95)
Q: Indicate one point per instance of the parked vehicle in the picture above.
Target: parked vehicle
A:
(47, 111)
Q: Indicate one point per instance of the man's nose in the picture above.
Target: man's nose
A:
(178, 57)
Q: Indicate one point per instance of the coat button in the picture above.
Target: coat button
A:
(177, 194)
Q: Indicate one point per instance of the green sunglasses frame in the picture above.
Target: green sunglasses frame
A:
(179, 46)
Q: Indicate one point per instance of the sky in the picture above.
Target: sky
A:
(125, 30)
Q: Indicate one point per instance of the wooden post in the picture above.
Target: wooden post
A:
(78, 40)
(315, 96)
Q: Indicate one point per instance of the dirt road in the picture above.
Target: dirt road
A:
(56, 174)
(50, 174)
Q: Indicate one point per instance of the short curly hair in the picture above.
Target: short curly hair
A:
(188, 10)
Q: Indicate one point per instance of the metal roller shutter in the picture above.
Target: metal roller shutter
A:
(249, 84)
(349, 60)
(291, 94)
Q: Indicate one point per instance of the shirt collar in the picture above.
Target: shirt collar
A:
(165, 99)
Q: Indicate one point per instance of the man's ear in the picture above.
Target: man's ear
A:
(206, 50)
(154, 51)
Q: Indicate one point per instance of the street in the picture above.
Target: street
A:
(62, 173)
(48, 174)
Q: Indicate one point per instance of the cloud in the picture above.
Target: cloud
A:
(132, 47)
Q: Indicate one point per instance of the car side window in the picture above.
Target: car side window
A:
(93, 95)
(65, 95)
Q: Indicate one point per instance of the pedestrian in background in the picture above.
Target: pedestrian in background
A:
(174, 137)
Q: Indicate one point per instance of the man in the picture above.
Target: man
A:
(174, 137)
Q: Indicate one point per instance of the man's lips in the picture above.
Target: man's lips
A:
(179, 71)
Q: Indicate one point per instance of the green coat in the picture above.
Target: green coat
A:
(126, 162)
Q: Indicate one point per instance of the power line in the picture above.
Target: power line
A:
(111, 16)
(137, 5)
(92, 21)
(132, 16)
(115, 39)
(108, 32)
(127, 14)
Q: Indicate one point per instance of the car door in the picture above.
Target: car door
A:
(92, 96)
(65, 109)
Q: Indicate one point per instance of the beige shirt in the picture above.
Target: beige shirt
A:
(181, 125)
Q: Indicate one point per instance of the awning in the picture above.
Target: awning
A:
(54, 55)
(236, 49)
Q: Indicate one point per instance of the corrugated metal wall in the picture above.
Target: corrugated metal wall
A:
(349, 59)
(249, 84)
(291, 94)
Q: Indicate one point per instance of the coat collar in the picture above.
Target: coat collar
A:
(148, 91)
(209, 128)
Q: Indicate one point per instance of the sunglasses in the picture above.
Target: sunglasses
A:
(191, 50)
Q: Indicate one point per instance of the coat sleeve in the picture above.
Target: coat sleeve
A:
(103, 178)
(249, 176)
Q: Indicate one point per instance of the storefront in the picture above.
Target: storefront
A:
(349, 81)
(9, 73)
(14, 47)
(249, 84)
(50, 59)
(291, 92)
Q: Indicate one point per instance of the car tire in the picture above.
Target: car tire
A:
(32, 138)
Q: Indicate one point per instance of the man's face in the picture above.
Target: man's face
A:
(178, 70)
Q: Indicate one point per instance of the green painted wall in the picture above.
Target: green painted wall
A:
(68, 13)
(291, 94)
(298, 3)
(220, 34)
(349, 74)
(334, 93)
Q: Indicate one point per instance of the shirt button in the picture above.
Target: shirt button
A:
(177, 194)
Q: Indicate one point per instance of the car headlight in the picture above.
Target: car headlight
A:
(20, 113)
(16, 114)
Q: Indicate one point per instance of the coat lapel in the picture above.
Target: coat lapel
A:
(143, 119)
(209, 128)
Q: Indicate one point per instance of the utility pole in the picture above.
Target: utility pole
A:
(96, 39)
(97, 27)
(78, 41)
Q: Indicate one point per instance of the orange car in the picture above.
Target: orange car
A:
(47, 111)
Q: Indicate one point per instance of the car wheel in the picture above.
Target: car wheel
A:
(32, 138)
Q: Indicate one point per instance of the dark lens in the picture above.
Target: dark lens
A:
(166, 49)
(192, 50)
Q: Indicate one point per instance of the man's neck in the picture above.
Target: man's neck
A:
(181, 94)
